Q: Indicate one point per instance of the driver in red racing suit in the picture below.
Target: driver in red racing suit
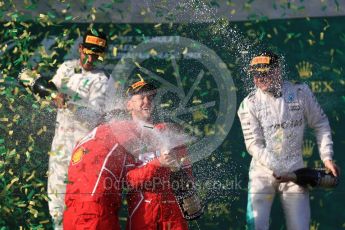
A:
(151, 202)
(95, 177)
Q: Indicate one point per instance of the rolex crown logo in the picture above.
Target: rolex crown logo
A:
(308, 147)
(304, 69)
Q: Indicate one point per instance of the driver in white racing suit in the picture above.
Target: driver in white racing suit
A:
(273, 119)
(82, 91)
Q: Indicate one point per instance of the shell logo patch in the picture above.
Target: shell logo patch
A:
(78, 155)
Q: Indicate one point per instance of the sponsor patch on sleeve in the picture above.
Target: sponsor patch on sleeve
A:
(78, 155)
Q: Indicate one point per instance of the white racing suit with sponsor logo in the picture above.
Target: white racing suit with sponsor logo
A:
(85, 96)
(273, 129)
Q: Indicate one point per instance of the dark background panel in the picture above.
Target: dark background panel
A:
(313, 51)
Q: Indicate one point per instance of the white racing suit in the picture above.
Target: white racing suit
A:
(85, 92)
(273, 129)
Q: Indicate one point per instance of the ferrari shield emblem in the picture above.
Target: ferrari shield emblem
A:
(77, 156)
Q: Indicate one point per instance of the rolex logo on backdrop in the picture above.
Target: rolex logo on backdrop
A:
(305, 71)
(308, 147)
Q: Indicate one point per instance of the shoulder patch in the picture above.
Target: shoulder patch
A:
(78, 155)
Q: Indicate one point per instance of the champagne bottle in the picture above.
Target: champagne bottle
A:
(185, 192)
(44, 88)
(314, 177)
(38, 84)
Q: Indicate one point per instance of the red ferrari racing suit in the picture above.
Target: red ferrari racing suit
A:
(151, 202)
(95, 177)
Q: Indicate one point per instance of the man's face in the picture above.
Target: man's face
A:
(140, 106)
(87, 61)
(268, 81)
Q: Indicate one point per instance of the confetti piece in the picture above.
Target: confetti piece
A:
(165, 105)
(199, 116)
(68, 18)
(114, 51)
(44, 222)
(196, 101)
(31, 176)
(6, 209)
(113, 37)
(3, 150)
(93, 31)
(311, 42)
(160, 71)
(32, 192)
(185, 50)
(33, 211)
(137, 30)
(14, 180)
(153, 52)
(204, 94)
(322, 35)
(51, 15)
(21, 205)
(8, 24)
(139, 76)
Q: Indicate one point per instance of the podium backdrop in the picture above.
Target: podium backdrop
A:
(313, 51)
